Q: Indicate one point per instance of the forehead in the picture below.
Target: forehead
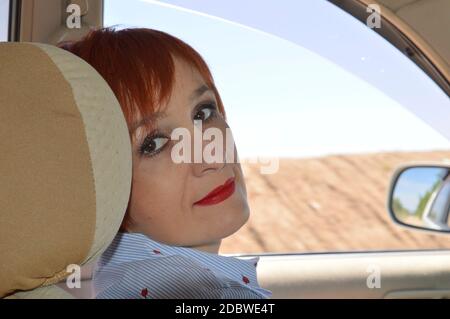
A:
(186, 80)
(188, 85)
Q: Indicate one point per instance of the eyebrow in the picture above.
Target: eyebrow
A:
(200, 91)
(148, 119)
(159, 115)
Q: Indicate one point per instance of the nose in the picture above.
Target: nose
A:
(201, 169)
(213, 154)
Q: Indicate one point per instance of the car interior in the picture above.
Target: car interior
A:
(44, 90)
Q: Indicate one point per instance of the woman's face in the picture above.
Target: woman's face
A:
(165, 195)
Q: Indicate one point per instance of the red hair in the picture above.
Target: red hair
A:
(138, 65)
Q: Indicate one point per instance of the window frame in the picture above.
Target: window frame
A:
(15, 8)
(403, 57)
(394, 35)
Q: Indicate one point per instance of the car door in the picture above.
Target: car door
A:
(325, 99)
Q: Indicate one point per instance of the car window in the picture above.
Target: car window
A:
(4, 19)
(319, 127)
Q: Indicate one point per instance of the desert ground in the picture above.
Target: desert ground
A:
(330, 203)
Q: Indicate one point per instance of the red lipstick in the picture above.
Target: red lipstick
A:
(218, 194)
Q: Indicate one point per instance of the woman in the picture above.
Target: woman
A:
(178, 213)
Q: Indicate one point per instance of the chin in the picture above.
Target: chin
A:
(234, 220)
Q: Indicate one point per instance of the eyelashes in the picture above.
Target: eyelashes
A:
(153, 144)
(205, 112)
(156, 141)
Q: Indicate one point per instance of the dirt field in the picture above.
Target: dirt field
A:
(333, 203)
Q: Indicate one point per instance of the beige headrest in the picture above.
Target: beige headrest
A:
(65, 165)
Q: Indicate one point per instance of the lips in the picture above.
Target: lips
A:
(218, 194)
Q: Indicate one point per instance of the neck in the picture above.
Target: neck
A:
(212, 248)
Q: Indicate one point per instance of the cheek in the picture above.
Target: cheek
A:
(157, 192)
(238, 171)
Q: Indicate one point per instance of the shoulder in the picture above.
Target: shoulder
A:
(161, 277)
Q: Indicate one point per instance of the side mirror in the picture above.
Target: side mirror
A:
(419, 197)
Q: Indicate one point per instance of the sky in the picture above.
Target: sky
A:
(4, 7)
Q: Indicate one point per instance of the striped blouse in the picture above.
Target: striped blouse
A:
(134, 266)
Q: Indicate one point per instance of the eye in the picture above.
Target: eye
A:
(152, 145)
(205, 112)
